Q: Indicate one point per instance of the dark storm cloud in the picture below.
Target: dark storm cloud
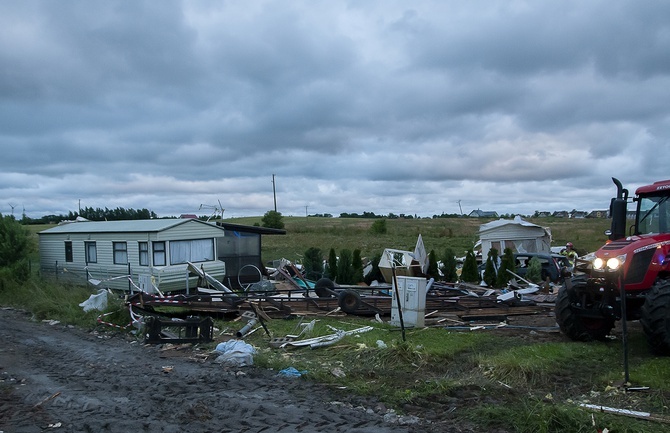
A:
(355, 106)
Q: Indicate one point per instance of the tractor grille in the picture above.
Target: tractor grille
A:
(639, 265)
(616, 245)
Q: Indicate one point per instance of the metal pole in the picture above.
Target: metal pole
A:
(624, 328)
(274, 192)
(397, 297)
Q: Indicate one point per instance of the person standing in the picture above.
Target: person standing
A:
(570, 253)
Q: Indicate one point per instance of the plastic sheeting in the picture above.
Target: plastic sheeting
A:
(95, 302)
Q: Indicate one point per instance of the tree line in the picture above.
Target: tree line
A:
(94, 214)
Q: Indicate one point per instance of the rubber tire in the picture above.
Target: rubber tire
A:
(575, 327)
(349, 301)
(324, 288)
(655, 318)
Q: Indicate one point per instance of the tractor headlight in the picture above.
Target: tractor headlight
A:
(612, 264)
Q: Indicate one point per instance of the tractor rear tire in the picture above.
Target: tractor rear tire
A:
(655, 318)
(573, 325)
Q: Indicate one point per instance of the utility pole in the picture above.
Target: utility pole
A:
(274, 191)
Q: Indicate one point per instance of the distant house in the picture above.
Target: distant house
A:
(483, 214)
(543, 214)
(598, 214)
(149, 252)
(578, 214)
(560, 214)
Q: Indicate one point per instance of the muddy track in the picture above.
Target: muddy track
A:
(58, 378)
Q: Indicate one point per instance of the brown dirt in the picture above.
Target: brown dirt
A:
(61, 378)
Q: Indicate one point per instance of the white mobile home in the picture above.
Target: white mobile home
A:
(149, 251)
(519, 235)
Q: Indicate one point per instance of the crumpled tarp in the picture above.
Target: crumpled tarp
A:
(235, 353)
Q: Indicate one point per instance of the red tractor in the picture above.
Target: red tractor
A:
(633, 266)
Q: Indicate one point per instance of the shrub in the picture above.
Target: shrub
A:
(534, 272)
(273, 219)
(313, 263)
(345, 270)
(331, 270)
(491, 269)
(506, 263)
(449, 266)
(357, 267)
(469, 273)
(432, 270)
(379, 227)
(15, 248)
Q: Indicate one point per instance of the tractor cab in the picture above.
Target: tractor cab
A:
(653, 209)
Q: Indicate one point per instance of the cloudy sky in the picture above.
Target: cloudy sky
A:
(422, 107)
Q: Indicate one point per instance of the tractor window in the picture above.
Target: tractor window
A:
(654, 215)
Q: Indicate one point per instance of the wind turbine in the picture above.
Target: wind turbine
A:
(12, 206)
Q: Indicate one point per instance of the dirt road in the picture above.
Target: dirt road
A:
(61, 379)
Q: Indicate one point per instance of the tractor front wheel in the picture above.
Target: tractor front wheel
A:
(574, 325)
(655, 318)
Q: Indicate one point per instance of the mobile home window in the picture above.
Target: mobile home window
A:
(159, 253)
(144, 253)
(120, 253)
(199, 250)
(91, 252)
(68, 251)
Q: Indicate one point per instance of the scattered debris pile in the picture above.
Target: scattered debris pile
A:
(176, 318)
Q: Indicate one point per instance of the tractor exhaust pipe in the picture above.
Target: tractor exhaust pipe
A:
(618, 210)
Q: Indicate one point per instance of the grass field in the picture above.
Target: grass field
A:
(459, 234)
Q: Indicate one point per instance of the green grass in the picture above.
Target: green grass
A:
(48, 300)
(494, 380)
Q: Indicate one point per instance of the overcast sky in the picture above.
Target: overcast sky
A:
(354, 106)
